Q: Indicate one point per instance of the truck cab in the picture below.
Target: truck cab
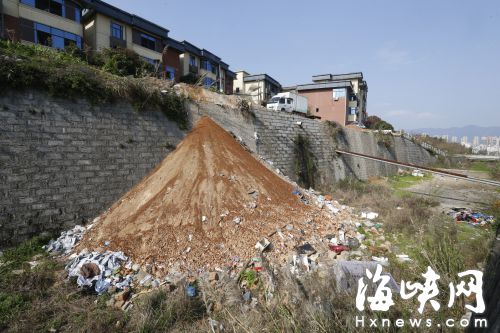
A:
(280, 103)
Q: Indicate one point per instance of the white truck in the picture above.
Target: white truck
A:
(289, 102)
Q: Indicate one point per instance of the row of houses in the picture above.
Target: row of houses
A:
(95, 25)
(337, 97)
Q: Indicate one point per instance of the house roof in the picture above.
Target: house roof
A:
(210, 56)
(337, 77)
(325, 85)
(191, 48)
(261, 77)
(123, 16)
(175, 44)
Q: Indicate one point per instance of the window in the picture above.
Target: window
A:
(282, 100)
(116, 30)
(338, 93)
(192, 60)
(289, 100)
(148, 41)
(237, 90)
(63, 8)
(317, 109)
(352, 110)
(170, 73)
(56, 38)
(214, 68)
(56, 7)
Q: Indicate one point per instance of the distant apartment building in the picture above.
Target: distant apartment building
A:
(208, 67)
(54, 23)
(260, 88)
(338, 97)
(454, 139)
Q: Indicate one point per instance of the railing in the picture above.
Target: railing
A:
(117, 42)
(425, 145)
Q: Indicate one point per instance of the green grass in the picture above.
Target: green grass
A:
(399, 183)
(62, 75)
(480, 166)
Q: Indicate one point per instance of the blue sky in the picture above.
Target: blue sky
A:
(427, 63)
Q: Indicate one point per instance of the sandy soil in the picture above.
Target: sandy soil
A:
(182, 215)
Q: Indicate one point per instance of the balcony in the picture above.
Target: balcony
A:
(193, 69)
(117, 42)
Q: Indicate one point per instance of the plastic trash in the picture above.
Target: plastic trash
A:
(191, 291)
(338, 248)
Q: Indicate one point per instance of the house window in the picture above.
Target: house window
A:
(148, 41)
(192, 60)
(214, 68)
(116, 30)
(352, 110)
(170, 73)
(56, 38)
(237, 90)
(63, 8)
(317, 109)
(338, 93)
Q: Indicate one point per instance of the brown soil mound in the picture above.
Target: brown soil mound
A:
(183, 213)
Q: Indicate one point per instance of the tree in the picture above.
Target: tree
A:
(376, 123)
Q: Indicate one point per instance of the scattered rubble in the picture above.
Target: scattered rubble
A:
(470, 217)
(67, 240)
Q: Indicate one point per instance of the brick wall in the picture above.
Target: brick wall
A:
(64, 162)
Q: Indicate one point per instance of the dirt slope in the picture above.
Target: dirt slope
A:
(182, 215)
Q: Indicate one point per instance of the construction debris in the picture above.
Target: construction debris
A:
(470, 217)
(67, 240)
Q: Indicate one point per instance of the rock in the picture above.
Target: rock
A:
(331, 255)
(353, 243)
(110, 302)
(247, 296)
(237, 220)
(343, 256)
(136, 267)
(306, 249)
(213, 276)
(18, 271)
(289, 227)
(119, 304)
(89, 270)
(123, 295)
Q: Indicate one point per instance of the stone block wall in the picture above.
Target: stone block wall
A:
(64, 162)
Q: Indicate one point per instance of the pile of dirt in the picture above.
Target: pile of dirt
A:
(207, 203)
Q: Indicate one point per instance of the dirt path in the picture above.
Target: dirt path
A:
(453, 192)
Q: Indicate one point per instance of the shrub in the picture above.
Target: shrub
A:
(125, 62)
